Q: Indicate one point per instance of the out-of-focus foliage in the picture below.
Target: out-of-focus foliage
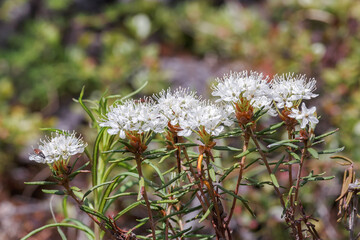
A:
(49, 49)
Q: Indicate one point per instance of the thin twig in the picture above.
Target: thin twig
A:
(242, 165)
(144, 194)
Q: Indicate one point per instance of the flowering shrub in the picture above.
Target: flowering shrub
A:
(191, 189)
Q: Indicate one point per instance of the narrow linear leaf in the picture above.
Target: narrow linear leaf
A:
(57, 225)
(206, 214)
(330, 151)
(171, 181)
(212, 174)
(278, 164)
(57, 192)
(128, 208)
(313, 152)
(87, 110)
(270, 129)
(292, 162)
(284, 143)
(228, 171)
(187, 144)
(134, 92)
(41, 183)
(95, 187)
(274, 180)
(247, 152)
(227, 148)
(326, 134)
(234, 133)
(95, 157)
(244, 201)
(89, 233)
(93, 212)
(122, 194)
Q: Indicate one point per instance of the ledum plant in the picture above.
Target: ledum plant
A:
(167, 156)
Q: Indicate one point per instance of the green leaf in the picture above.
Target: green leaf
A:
(270, 129)
(93, 212)
(313, 152)
(206, 214)
(330, 151)
(58, 225)
(233, 133)
(89, 233)
(77, 171)
(242, 200)
(157, 170)
(41, 183)
(95, 159)
(245, 153)
(326, 134)
(228, 171)
(134, 92)
(294, 155)
(315, 178)
(227, 148)
(128, 208)
(287, 142)
(57, 192)
(87, 110)
(274, 180)
(122, 194)
(95, 187)
(187, 144)
(212, 174)
(171, 181)
(292, 162)
(278, 164)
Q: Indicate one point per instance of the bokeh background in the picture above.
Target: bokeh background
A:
(50, 49)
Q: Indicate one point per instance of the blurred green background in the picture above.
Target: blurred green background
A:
(49, 49)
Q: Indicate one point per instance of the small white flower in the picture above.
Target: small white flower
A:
(252, 86)
(60, 146)
(288, 89)
(133, 115)
(306, 116)
(176, 107)
(206, 115)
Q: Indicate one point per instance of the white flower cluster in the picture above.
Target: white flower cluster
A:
(60, 146)
(177, 107)
(288, 89)
(181, 108)
(186, 111)
(252, 86)
(134, 115)
(210, 116)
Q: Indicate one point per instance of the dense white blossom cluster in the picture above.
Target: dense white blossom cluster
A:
(252, 86)
(181, 108)
(185, 110)
(177, 107)
(207, 115)
(288, 89)
(60, 146)
(134, 115)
